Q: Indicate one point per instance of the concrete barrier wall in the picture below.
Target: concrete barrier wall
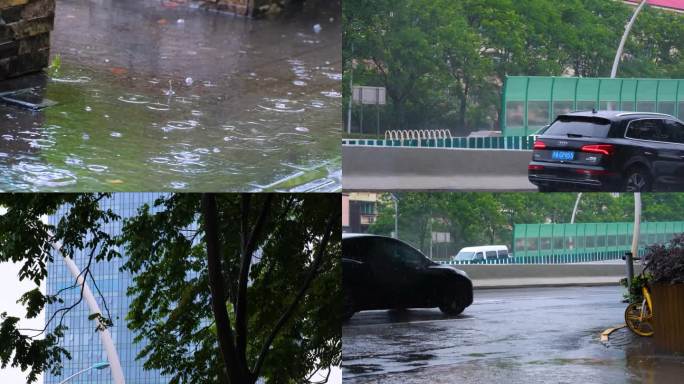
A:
(507, 276)
(382, 168)
(25, 27)
(434, 162)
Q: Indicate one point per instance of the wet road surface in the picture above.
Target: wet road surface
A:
(539, 335)
(154, 97)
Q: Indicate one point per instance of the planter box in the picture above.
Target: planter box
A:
(668, 317)
(25, 27)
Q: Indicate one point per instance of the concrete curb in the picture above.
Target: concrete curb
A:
(478, 286)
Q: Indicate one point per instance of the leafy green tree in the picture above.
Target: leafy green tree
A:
(444, 62)
(489, 218)
(228, 288)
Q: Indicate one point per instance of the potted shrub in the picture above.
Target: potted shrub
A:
(666, 265)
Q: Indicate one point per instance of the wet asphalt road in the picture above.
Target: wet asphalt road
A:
(537, 335)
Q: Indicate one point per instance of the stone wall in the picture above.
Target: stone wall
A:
(25, 27)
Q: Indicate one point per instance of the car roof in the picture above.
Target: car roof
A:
(616, 115)
(353, 235)
(483, 248)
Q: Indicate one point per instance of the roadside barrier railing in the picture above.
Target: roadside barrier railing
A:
(414, 140)
(418, 134)
(546, 259)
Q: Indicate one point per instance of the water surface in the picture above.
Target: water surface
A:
(152, 97)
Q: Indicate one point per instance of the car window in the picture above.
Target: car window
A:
(675, 131)
(647, 129)
(388, 251)
(465, 255)
(579, 127)
(503, 254)
(491, 254)
(351, 249)
(479, 256)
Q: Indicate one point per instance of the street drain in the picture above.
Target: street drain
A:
(28, 99)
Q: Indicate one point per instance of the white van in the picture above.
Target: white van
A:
(482, 253)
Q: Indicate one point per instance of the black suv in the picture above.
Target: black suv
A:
(384, 273)
(610, 151)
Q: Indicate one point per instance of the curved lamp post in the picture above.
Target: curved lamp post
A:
(96, 366)
(637, 195)
(105, 335)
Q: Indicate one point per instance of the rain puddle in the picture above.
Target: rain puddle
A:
(151, 98)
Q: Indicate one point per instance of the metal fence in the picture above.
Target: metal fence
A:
(531, 102)
(560, 258)
(506, 143)
(549, 240)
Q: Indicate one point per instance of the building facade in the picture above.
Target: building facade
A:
(81, 338)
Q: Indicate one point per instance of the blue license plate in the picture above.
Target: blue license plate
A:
(562, 155)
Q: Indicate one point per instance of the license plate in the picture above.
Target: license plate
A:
(562, 155)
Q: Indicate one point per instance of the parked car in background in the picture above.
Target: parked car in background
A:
(482, 253)
(384, 273)
(610, 151)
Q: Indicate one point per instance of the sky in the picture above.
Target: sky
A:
(11, 290)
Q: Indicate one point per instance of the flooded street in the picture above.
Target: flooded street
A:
(536, 335)
(151, 96)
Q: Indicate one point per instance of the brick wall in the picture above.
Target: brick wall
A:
(25, 27)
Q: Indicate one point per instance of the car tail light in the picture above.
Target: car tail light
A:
(601, 149)
(533, 167)
(538, 144)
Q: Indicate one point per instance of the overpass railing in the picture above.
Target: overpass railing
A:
(548, 259)
(418, 134)
(507, 143)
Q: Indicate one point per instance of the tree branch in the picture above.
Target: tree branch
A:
(318, 259)
(248, 245)
(218, 297)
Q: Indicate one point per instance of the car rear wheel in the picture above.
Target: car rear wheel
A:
(453, 306)
(348, 306)
(638, 180)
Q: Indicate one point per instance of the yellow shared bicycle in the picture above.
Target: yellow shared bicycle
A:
(639, 316)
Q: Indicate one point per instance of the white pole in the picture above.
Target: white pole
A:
(637, 224)
(618, 55)
(613, 73)
(351, 89)
(574, 210)
(105, 335)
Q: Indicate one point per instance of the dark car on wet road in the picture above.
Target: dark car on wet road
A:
(385, 273)
(609, 151)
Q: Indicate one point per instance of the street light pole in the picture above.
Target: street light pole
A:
(628, 28)
(96, 366)
(637, 195)
(105, 335)
(574, 210)
(396, 215)
(351, 89)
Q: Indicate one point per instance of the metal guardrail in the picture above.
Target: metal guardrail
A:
(504, 143)
(418, 134)
(548, 259)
